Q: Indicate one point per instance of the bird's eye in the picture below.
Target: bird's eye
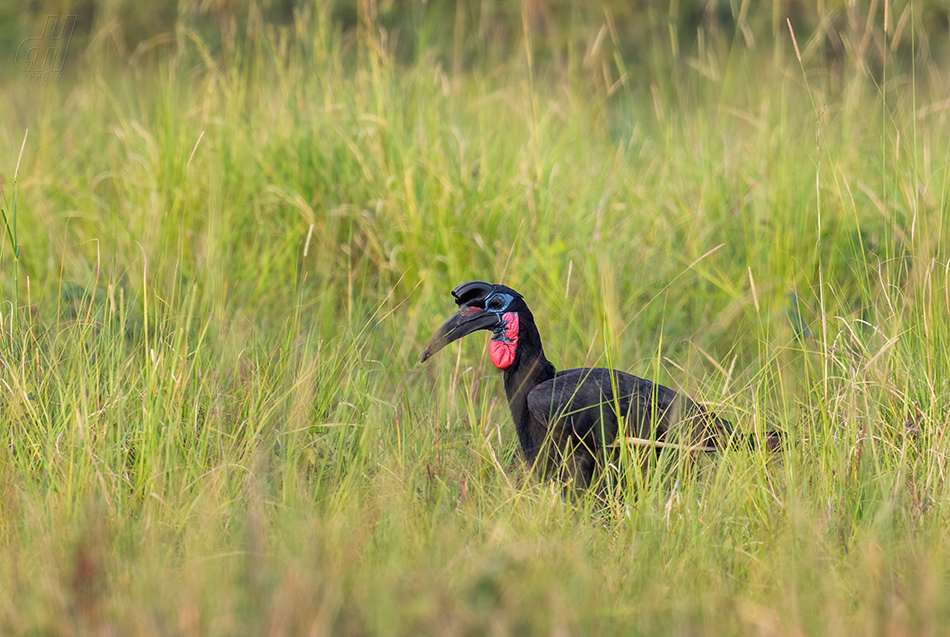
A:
(495, 304)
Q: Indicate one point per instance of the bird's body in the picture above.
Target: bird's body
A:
(582, 410)
(564, 419)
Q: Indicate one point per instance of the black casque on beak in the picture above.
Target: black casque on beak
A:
(472, 293)
(471, 317)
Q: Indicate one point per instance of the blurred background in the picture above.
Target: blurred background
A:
(481, 33)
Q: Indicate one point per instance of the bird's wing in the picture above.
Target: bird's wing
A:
(586, 403)
(579, 403)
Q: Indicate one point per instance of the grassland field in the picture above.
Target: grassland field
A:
(222, 256)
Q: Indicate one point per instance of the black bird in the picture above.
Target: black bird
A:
(565, 419)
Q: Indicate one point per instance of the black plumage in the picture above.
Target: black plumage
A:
(565, 419)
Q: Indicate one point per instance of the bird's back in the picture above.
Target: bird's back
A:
(586, 404)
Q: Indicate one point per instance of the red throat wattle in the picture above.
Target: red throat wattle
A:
(503, 350)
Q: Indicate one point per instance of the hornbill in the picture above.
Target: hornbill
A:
(565, 419)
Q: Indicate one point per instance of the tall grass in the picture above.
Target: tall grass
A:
(212, 415)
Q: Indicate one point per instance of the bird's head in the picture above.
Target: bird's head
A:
(484, 306)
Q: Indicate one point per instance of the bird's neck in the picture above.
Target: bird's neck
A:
(529, 369)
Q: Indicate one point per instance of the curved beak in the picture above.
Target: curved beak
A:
(467, 320)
